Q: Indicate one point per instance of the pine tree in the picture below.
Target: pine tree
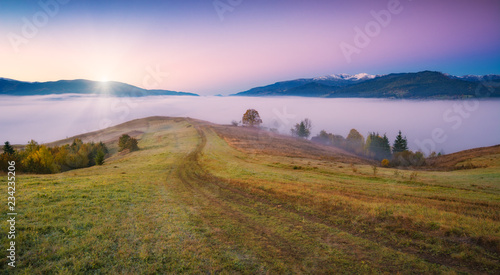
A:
(8, 149)
(386, 147)
(378, 147)
(400, 144)
(302, 129)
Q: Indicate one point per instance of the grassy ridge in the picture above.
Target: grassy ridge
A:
(189, 202)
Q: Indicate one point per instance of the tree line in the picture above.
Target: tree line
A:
(375, 146)
(41, 159)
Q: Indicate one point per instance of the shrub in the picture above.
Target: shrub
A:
(354, 168)
(408, 158)
(385, 163)
(127, 142)
(413, 176)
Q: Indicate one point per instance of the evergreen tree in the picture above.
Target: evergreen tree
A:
(302, 129)
(8, 149)
(400, 144)
(386, 147)
(378, 147)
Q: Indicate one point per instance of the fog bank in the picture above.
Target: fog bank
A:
(444, 125)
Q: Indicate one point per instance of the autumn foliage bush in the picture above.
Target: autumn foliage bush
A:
(385, 163)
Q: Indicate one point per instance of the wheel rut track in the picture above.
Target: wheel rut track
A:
(196, 179)
(192, 174)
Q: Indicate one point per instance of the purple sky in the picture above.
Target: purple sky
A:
(192, 46)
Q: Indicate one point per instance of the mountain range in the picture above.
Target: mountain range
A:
(420, 85)
(78, 86)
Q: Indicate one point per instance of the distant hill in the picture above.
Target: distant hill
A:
(467, 159)
(316, 87)
(421, 85)
(78, 86)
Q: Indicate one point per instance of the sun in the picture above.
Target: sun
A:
(104, 79)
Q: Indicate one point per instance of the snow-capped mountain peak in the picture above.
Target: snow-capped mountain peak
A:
(356, 77)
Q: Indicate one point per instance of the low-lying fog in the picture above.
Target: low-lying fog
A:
(443, 125)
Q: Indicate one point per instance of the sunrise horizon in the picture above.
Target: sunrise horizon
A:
(250, 136)
(217, 47)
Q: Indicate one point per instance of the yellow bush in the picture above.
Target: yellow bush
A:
(385, 163)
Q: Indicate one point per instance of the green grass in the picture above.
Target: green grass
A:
(187, 202)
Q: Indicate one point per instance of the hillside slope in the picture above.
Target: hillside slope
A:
(466, 159)
(199, 197)
(78, 86)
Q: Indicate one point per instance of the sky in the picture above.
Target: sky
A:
(227, 46)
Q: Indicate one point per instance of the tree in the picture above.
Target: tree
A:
(408, 158)
(355, 142)
(99, 158)
(378, 147)
(94, 150)
(323, 137)
(40, 161)
(400, 144)
(31, 146)
(330, 139)
(251, 118)
(127, 142)
(132, 144)
(8, 149)
(77, 143)
(122, 142)
(302, 129)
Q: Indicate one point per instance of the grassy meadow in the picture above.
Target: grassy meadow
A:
(204, 198)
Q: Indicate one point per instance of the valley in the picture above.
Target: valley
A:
(202, 197)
